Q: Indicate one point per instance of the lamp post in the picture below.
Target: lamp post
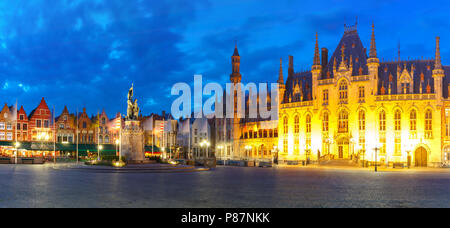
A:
(100, 147)
(117, 147)
(16, 145)
(206, 144)
(376, 149)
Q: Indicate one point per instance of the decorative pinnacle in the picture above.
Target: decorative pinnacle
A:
(373, 48)
(316, 52)
(342, 50)
(437, 63)
(280, 75)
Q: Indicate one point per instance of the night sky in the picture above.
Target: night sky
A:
(86, 53)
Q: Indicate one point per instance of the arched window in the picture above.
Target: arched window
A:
(362, 129)
(382, 133)
(343, 122)
(296, 124)
(325, 122)
(397, 120)
(362, 120)
(343, 90)
(308, 123)
(397, 133)
(413, 120)
(285, 125)
(382, 121)
(428, 124)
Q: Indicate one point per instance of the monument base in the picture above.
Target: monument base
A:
(133, 142)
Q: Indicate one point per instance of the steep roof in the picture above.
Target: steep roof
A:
(353, 48)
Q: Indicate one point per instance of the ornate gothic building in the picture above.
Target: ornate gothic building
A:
(355, 106)
(350, 106)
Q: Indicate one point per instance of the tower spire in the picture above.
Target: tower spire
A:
(316, 52)
(437, 61)
(280, 74)
(373, 47)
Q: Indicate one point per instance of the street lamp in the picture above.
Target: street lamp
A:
(376, 149)
(16, 145)
(100, 147)
(117, 146)
(206, 144)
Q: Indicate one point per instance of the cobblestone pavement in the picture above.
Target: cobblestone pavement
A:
(43, 186)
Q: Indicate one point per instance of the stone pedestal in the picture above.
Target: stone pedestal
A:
(133, 142)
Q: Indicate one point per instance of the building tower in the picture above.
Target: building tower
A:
(438, 73)
(281, 85)
(235, 75)
(235, 78)
(316, 70)
(373, 63)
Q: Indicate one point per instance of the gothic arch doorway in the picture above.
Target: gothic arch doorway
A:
(420, 157)
(343, 148)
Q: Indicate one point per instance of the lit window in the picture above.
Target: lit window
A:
(428, 124)
(308, 123)
(285, 125)
(325, 122)
(382, 121)
(398, 120)
(296, 124)
(382, 128)
(362, 120)
(343, 122)
(325, 96)
(361, 92)
(397, 133)
(343, 91)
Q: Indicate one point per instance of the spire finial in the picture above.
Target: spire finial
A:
(280, 75)
(399, 50)
(373, 48)
(316, 51)
(437, 61)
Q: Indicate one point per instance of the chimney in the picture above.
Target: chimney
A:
(291, 66)
(164, 114)
(324, 57)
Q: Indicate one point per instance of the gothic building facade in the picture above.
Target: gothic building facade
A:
(354, 106)
(351, 106)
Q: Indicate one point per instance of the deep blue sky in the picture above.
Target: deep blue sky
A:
(86, 53)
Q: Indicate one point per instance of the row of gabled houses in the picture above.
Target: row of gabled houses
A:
(162, 133)
(41, 125)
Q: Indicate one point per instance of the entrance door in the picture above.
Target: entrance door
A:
(420, 157)
(343, 148)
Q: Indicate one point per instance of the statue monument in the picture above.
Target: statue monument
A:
(133, 135)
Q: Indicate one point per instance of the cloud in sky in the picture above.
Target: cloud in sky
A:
(87, 53)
